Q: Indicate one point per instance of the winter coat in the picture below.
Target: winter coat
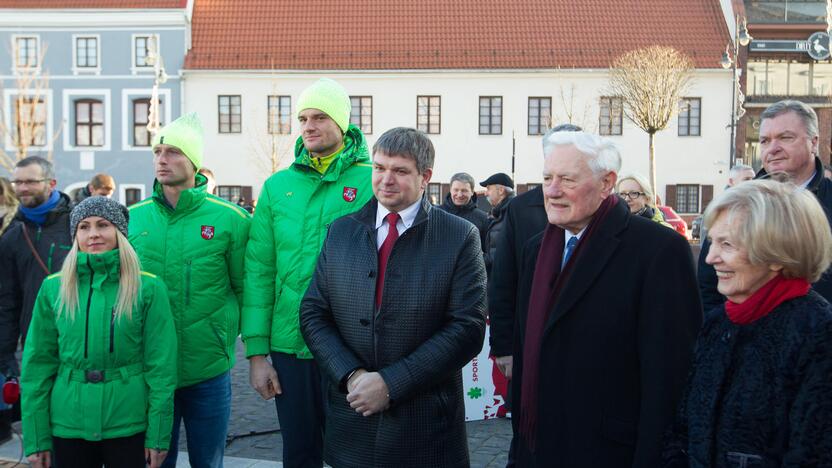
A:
(21, 274)
(494, 231)
(821, 187)
(653, 214)
(469, 212)
(430, 324)
(198, 250)
(137, 357)
(525, 217)
(760, 392)
(616, 347)
(295, 208)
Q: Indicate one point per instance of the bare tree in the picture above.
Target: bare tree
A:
(569, 111)
(26, 127)
(651, 81)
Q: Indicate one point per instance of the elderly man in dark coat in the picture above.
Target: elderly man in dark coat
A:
(395, 309)
(604, 347)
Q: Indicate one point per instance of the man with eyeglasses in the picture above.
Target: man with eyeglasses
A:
(788, 150)
(32, 248)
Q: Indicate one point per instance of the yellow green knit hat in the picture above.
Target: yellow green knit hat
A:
(330, 97)
(184, 133)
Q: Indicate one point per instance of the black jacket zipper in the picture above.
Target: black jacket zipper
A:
(89, 301)
(112, 327)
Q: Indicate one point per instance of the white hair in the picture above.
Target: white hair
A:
(601, 153)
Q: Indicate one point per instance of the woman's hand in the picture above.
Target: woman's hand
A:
(154, 458)
(41, 459)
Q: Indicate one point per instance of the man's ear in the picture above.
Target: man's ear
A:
(426, 177)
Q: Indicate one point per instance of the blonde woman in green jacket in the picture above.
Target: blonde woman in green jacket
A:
(99, 368)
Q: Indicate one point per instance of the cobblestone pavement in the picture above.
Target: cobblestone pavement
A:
(487, 440)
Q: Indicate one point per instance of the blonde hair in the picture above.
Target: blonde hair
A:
(778, 224)
(128, 281)
(9, 200)
(643, 183)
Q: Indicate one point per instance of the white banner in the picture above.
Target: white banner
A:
(478, 386)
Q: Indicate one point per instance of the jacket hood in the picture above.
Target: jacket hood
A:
(355, 151)
(105, 263)
(188, 200)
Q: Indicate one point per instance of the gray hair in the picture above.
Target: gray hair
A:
(464, 177)
(765, 218)
(409, 143)
(46, 167)
(567, 127)
(806, 114)
(739, 168)
(601, 153)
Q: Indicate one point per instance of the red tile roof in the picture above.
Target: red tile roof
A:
(443, 34)
(97, 4)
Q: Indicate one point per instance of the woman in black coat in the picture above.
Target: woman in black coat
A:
(760, 392)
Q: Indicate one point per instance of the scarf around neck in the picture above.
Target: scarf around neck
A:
(546, 285)
(38, 214)
(777, 291)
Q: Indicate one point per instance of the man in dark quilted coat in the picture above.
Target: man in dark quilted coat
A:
(396, 308)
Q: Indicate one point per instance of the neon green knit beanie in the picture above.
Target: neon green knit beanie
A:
(330, 97)
(184, 133)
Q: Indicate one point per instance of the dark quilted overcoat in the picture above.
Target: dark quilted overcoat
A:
(759, 395)
(430, 324)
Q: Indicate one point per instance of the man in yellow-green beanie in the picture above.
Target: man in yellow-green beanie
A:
(195, 242)
(329, 178)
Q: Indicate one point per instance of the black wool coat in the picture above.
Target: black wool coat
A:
(525, 217)
(21, 274)
(430, 324)
(616, 347)
(821, 187)
(760, 392)
(469, 212)
(496, 222)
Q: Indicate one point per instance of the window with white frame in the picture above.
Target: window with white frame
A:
(86, 52)
(429, 114)
(540, 115)
(361, 114)
(141, 49)
(89, 122)
(491, 115)
(690, 112)
(280, 115)
(26, 53)
(611, 115)
(29, 121)
(141, 117)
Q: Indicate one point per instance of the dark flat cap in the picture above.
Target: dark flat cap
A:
(500, 178)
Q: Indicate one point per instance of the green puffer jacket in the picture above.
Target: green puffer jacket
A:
(137, 357)
(295, 208)
(198, 250)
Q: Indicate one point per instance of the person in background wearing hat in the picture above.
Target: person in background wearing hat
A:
(196, 243)
(330, 178)
(101, 184)
(499, 188)
(99, 368)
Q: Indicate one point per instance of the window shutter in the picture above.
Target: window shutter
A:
(707, 196)
(670, 196)
(245, 191)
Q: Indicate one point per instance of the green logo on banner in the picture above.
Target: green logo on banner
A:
(475, 393)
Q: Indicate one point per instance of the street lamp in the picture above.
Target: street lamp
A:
(741, 38)
(154, 57)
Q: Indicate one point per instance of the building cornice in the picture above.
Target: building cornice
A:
(22, 19)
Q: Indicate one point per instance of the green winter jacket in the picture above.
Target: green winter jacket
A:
(198, 250)
(137, 357)
(295, 208)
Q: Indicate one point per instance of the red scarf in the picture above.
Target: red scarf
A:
(546, 284)
(777, 291)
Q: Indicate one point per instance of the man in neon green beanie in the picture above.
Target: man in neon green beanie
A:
(196, 243)
(329, 178)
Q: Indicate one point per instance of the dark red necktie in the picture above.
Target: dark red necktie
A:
(384, 253)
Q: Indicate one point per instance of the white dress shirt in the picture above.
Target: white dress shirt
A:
(406, 218)
(569, 235)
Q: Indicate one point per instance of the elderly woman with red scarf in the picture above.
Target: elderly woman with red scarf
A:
(760, 392)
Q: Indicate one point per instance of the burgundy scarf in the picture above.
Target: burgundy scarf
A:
(546, 285)
(777, 291)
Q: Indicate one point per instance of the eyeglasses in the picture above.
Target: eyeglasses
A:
(630, 195)
(27, 182)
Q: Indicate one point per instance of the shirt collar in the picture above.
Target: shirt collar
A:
(569, 235)
(408, 214)
(809, 180)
